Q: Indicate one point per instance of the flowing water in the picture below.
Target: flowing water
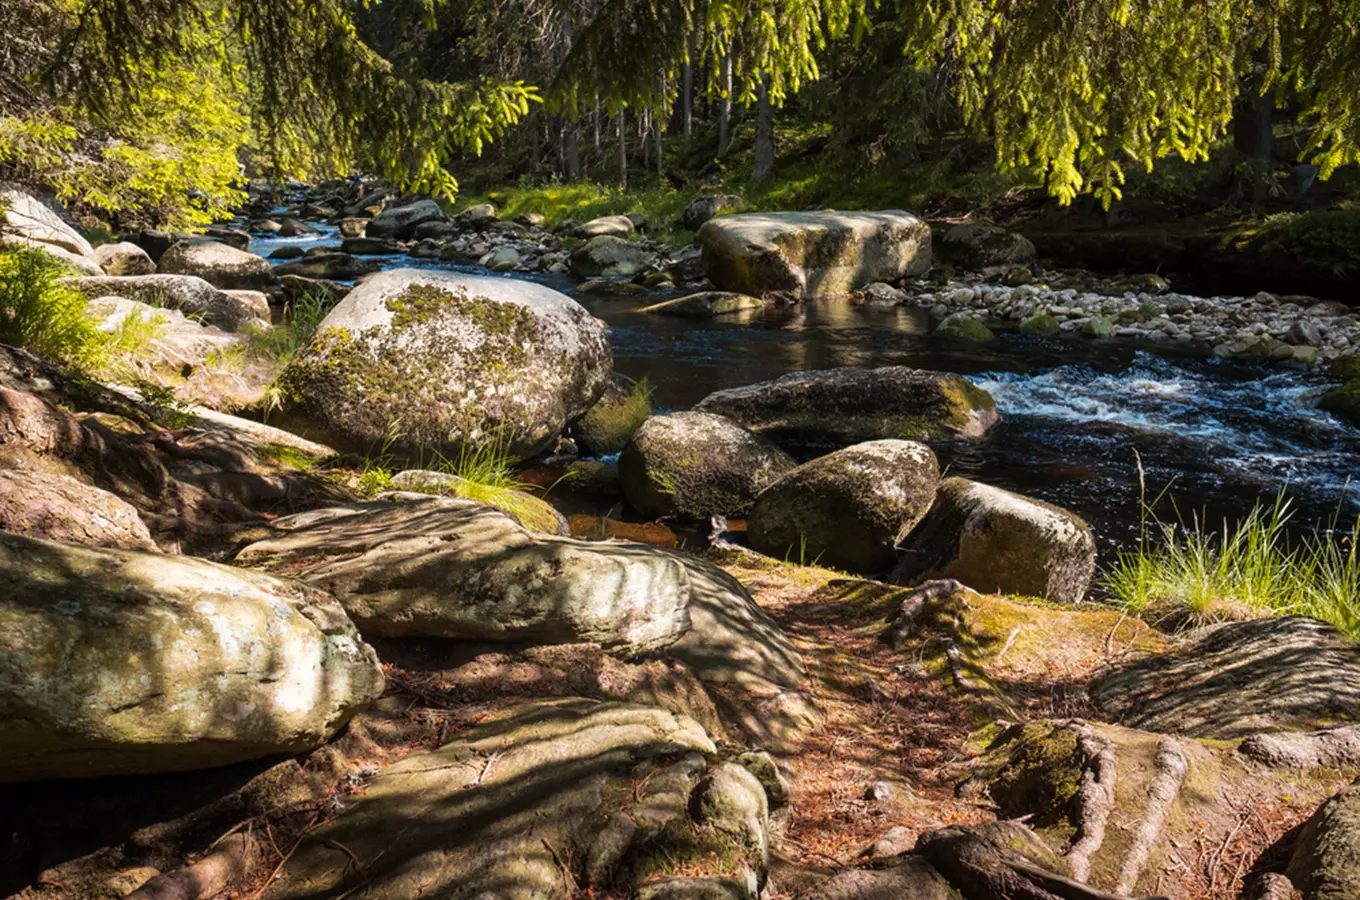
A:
(1077, 415)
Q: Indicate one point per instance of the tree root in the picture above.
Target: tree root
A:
(1330, 748)
(1171, 768)
(916, 602)
(1095, 798)
(981, 862)
(1272, 886)
(215, 873)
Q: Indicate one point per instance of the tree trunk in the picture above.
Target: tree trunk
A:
(597, 124)
(687, 95)
(764, 164)
(1253, 119)
(623, 149)
(571, 150)
(660, 150)
(725, 110)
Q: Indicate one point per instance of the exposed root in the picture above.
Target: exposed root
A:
(1337, 748)
(1171, 768)
(1095, 798)
(219, 871)
(917, 601)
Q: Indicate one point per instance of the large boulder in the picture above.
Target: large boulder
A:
(187, 293)
(458, 569)
(697, 465)
(340, 266)
(984, 246)
(124, 258)
(701, 209)
(812, 254)
(27, 221)
(60, 508)
(625, 792)
(1241, 678)
(994, 540)
(218, 264)
(610, 255)
(838, 407)
(119, 662)
(400, 222)
(1326, 860)
(446, 361)
(848, 510)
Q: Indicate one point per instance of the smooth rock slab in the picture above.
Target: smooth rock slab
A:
(117, 662)
(1242, 678)
(57, 507)
(812, 254)
(189, 294)
(847, 510)
(995, 540)
(839, 407)
(218, 264)
(458, 569)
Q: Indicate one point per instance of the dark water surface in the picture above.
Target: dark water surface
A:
(1076, 413)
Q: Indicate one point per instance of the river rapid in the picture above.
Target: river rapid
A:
(1080, 416)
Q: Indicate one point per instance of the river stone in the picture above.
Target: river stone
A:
(609, 255)
(370, 246)
(614, 419)
(964, 328)
(58, 507)
(458, 569)
(448, 361)
(32, 223)
(1326, 860)
(993, 540)
(838, 407)
(221, 266)
(124, 258)
(701, 209)
(617, 226)
(812, 254)
(848, 510)
(497, 812)
(697, 465)
(1241, 678)
(478, 216)
(983, 247)
(339, 266)
(353, 226)
(189, 294)
(400, 222)
(706, 305)
(118, 662)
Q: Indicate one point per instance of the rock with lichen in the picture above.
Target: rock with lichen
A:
(994, 540)
(849, 509)
(122, 662)
(839, 407)
(697, 465)
(419, 361)
(614, 419)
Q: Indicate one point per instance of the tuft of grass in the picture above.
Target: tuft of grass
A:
(281, 343)
(38, 313)
(129, 342)
(1186, 574)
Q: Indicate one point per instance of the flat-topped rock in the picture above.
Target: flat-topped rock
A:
(812, 254)
(189, 294)
(220, 265)
(839, 407)
(1241, 678)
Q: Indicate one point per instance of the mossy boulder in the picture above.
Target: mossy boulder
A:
(984, 246)
(994, 540)
(458, 569)
(609, 255)
(1040, 323)
(1343, 402)
(220, 265)
(1242, 678)
(839, 407)
(1098, 326)
(124, 258)
(432, 360)
(707, 305)
(697, 465)
(964, 328)
(1326, 860)
(502, 809)
(812, 254)
(120, 662)
(614, 419)
(847, 510)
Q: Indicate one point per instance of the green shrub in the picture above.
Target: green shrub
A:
(1324, 237)
(38, 313)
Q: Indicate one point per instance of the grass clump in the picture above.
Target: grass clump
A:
(40, 314)
(1187, 574)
